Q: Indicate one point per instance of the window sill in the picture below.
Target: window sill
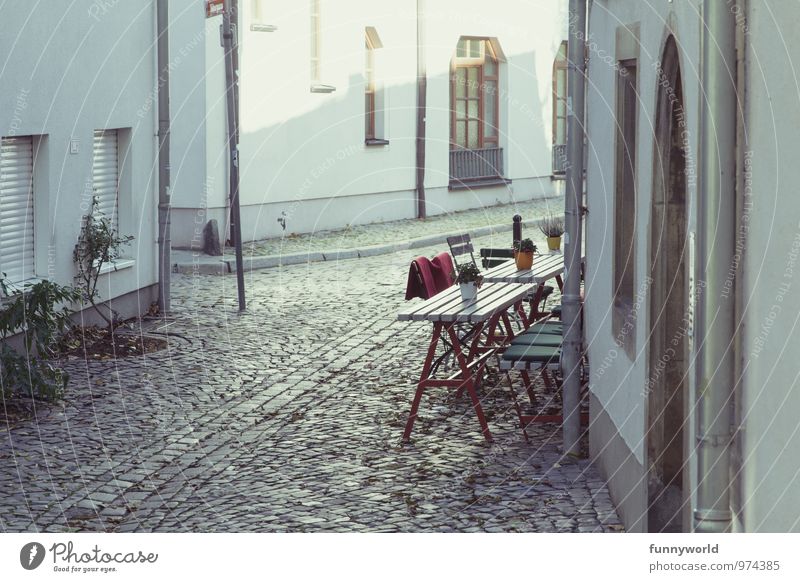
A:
(263, 27)
(322, 88)
(19, 287)
(376, 142)
(456, 184)
(117, 265)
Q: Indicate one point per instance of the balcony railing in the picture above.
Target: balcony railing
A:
(473, 165)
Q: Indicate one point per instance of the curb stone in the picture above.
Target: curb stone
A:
(252, 263)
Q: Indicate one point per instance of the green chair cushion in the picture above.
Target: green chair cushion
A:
(533, 354)
(537, 339)
(551, 327)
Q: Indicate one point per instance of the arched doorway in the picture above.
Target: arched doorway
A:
(668, 357)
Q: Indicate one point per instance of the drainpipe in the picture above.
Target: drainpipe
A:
(573, 204)
(422, 86)
(164, 194)
(229, 43)
(717, 243)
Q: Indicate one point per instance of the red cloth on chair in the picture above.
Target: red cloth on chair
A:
(428, 277)
(442, 266)
(420, 279)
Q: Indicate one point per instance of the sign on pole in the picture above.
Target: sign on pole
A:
(214, 8)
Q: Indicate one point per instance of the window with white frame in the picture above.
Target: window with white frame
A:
(373, 92)
(560, 109)
(105, 174)
(317, 86)
(17, 208)
(316, 49)
(258, 17)
(474, 95)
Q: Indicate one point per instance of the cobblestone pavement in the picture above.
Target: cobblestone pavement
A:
(286, 418)
(401, 230)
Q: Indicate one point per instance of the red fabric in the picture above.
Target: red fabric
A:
(442, 266)
(428, 277)
(420, 279)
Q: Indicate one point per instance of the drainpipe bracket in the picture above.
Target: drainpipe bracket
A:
(712, 516)
(715, 440)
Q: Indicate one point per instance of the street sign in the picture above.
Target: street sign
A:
(214, 8)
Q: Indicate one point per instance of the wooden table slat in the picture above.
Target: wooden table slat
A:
(448, 305)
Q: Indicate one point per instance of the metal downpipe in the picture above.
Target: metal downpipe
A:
(717, 243)
(573, 203)
(164, 195)
(422, 91)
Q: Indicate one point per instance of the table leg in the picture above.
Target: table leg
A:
(560, 283)
(426, 370)
(468, 383)
(474, 348)
(537, 298)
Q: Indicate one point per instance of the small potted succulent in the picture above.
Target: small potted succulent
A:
(469, 278)
(553, 228)
(523, 254)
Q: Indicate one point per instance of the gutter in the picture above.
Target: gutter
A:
(716, 308)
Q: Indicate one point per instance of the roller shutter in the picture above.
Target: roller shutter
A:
(16, 208)
(105, 174)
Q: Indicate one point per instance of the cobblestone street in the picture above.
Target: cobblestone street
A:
(286, 418)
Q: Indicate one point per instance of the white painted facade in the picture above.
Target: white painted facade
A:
(303, 155)
(766, 473)
(68, 70)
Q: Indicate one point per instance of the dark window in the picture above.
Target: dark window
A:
(625, 188)
(369, 90)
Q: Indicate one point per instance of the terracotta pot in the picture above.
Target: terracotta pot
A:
(524, 260)
(554, 243)
(469, 291)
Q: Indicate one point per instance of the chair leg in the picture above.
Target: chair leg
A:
(517, 407)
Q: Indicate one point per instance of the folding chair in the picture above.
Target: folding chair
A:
(459, 246)
(539, 350)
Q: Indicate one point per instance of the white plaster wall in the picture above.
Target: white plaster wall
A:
(68, 68)
(771, 394)
(617, 380)
(302, 152)
(188, 106)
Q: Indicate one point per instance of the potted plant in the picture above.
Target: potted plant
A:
(553, 228)
(469, 278)
(523, 254)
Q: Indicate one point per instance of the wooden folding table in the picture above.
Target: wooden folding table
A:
(448, 311)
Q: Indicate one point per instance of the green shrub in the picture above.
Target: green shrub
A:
(39, 313)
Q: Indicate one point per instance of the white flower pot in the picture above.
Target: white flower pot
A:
(469, 291)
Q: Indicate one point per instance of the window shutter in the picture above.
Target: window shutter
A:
(105, 174)
(16, 208)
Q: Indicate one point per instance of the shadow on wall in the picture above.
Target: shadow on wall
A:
(313, 171)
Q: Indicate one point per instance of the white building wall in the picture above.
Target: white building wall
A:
(71, 68)
(770, 496)
(187, 35)
(766, 473)
(303, 157)
(618, 381)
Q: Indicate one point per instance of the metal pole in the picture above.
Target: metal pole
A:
(573, 203)
(717, 242)
(231, 80)
(516, 230)
(164, 242)
(422, 86)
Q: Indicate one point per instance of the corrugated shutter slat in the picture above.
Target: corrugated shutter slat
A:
(16, 208)
(105, 174)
